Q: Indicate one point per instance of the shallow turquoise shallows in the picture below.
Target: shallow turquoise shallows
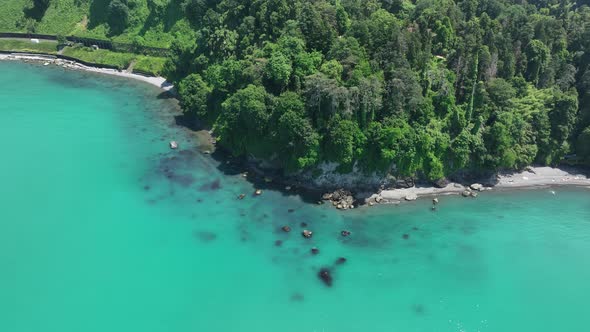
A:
(104, 228)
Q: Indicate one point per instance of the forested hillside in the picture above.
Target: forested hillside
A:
(424, 88)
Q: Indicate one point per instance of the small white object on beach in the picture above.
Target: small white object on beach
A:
(525, 178)
(173, 145)
(46, 64)
(34, 40)
(411, 197)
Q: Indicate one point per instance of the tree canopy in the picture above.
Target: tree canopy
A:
(424, 88)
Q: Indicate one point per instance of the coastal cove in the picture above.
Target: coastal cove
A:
(105, 228)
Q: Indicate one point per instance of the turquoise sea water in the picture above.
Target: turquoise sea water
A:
(103, 228)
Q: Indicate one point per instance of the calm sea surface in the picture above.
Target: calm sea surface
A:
(103, 228)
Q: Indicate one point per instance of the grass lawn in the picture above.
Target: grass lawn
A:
(144, 63)
(25, 45)
(149, 64)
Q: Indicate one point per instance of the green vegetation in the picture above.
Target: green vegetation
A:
(25, 45)
(120, 60)
(415, 89)
(153, 22)
(420, 88)
(144, 63)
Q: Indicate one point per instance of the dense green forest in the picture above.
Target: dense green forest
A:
(421, 88)
(416, 89)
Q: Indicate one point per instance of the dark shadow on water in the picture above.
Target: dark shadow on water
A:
(231, 166)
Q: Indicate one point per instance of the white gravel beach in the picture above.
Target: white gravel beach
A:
(533, 177)
(52, 60)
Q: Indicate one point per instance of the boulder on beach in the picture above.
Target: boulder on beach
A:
(435, 201)
(476, 186)
(411, 197)
(466, 193)
(173, 145)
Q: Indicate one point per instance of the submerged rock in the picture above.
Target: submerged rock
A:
(315, 251)
(297, 297)
(345, 233)
(286, 229)
(340, 260)
(325, 275)
(406, 236)
(241, 196)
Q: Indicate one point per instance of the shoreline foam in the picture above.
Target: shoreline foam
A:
(158, 81)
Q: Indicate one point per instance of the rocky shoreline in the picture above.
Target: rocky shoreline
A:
(348, 191)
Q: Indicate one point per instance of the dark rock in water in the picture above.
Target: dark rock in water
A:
(418, 309)
(325, 276)
(278, 243)
(303, 224)
(199, 200)
(345, 233)
(297, 297)
(286, 229)
(307, 234)
(341, 260)
(433, 208)
(414, 228)
(241, 196)
(406, 236)
(215, 185)
(204, 236)
(291, 210)
(315, 251)
(146, 187)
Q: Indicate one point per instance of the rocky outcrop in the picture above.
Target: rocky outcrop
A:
(341, 199)
(173, 145)
(307, 234)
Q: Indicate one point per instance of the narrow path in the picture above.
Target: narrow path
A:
(130, 68)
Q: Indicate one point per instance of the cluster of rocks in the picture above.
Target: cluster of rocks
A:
(341, 199)
(473, 190)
